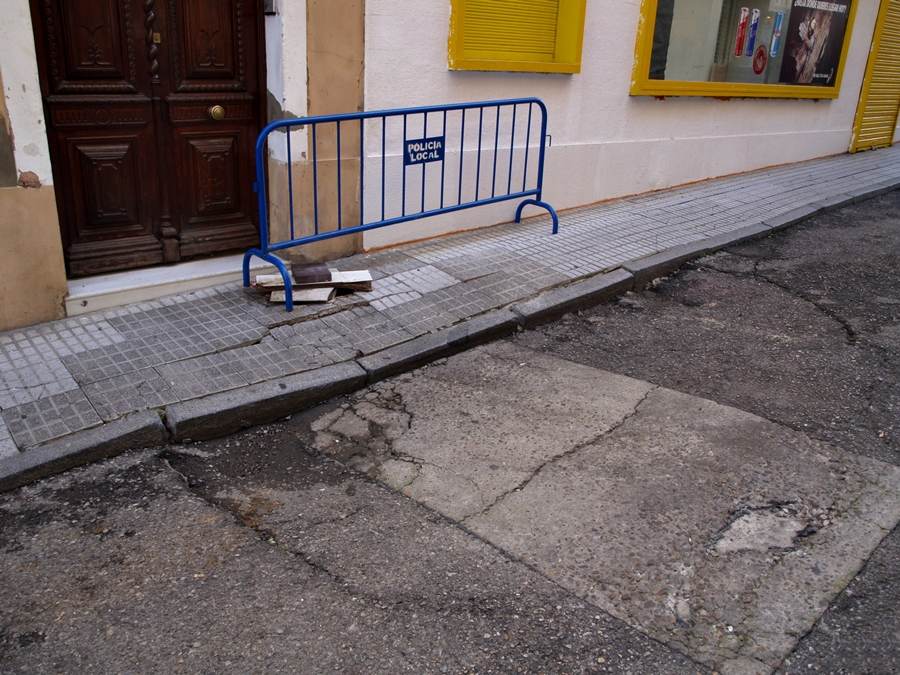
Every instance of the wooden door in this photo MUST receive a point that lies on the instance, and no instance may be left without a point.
(153, 109)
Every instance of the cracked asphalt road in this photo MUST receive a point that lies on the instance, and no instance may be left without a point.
(680, 482)
(803, 329)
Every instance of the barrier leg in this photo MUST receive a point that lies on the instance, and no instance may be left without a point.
(543, 205)
(285, 274)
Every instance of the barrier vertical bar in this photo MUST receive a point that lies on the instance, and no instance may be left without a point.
(462, 154)
(480, 134)
(403, 196)
(362, 173)
(424, 135)
(444, 161)
(290, 165)
(340, 218)
(383, 155)
(315, 182)
(496, 152)
(527, 146)
(512, 145)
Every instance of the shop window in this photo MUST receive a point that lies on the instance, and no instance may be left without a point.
(771, 48)
(519, 35)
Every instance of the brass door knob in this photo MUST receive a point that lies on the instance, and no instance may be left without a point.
(215, 113)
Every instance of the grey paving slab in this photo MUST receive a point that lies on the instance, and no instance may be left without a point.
(51, 417)
(315, 343)
(367, 330)
(389, 291)
(104, 363)
(426, 279)
(386, 263)
(201, 376)
(462, 301)
(212, 322)
(45, 380)
(266, 360)
(123, 394)
(7, 444)
(420, 316)
(503, 287)
(60, 338)
(267, 314)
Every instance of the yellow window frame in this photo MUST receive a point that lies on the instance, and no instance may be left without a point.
(642, 85)
(566, 57)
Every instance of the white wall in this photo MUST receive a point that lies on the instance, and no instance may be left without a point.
(22, 89)
(286, 68)
(606, 144)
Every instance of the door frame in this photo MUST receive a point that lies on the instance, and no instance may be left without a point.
(61, 181)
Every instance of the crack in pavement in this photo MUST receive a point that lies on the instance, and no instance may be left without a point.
(568, 453)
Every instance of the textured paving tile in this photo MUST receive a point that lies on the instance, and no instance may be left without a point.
(387, 292)
(210, 322)
(466, 267)
(386, 263)
(367, 330)
(104, 363)
(515, 284)
(137, 390)
(426, 279)
(315, 343)
(59, 338)
(201, 376)
(7, 445)
(266, 360)
(462, 301)
(49, 418)
(420, 316)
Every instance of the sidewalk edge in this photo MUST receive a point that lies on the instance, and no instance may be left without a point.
(140, 430)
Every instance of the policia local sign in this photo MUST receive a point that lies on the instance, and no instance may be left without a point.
(424, 150)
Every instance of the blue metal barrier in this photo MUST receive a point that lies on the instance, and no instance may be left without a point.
(470, 154)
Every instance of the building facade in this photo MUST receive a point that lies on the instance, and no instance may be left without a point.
(128, 125)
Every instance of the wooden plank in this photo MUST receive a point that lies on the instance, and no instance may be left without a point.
(306, 295)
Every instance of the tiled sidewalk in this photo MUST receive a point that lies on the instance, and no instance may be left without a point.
(74, 374)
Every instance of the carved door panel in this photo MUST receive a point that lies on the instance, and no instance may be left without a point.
(212, 108)
(143, 174)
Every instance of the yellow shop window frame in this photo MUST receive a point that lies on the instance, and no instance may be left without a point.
(643, 85)
(539, 36)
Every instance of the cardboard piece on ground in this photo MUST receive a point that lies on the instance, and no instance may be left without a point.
(306, 295)
(358, 280)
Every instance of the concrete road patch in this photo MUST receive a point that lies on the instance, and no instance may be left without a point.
(709, 528)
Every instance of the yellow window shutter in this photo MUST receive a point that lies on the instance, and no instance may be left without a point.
(524, 35)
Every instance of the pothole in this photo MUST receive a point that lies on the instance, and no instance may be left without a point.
(762, 530)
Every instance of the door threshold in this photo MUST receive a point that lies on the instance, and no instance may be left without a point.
(104, 291)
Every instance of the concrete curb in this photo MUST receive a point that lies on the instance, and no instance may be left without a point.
(793, 216)
(660, 264)
(140, 430)
(553, 304)
(755, 231)
(230, 411)
(409, 355)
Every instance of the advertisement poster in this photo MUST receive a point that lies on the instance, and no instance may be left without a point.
(813, 41)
